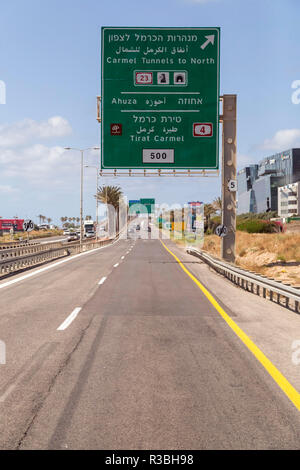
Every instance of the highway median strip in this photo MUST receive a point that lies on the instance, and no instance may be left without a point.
(277, 376)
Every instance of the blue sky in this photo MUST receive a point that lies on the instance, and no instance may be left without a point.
(50, 63)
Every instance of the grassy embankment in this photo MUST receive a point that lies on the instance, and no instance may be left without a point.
(272, 254)
(32, 235)
(276, 255)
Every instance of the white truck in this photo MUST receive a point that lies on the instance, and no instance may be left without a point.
(88, 229)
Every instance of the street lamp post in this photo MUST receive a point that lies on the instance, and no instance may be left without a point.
(97, 202)
(81, 188)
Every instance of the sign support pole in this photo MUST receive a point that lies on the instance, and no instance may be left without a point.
(228, 174)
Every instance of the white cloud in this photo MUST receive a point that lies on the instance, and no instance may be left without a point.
(7, 189)
(28, 130)
(282, 140)
(36, 164)
(43, 167)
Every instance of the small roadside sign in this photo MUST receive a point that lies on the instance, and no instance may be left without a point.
(221, 231)
(232, 186)
(28, 225)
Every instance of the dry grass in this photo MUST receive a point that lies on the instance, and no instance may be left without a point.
(34, 234)
(275, 255)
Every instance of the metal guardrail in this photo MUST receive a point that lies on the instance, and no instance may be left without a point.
(32, 259)
(275, 291)
(23, 250)
(8, 245)
(15, 259)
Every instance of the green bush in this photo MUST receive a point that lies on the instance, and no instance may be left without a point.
(256, 226)
(213, 223)
(251, 216)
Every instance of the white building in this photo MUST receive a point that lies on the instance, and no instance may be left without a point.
(289, 200)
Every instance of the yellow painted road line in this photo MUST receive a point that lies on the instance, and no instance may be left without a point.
(281, 381)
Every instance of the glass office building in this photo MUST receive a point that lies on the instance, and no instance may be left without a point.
(258, 184)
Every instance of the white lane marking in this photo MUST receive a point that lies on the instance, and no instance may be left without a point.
(116, 265)
(127, 252)
(102, 281)
(69, 320)
(38, 271)
(7, 392)
(123, 257)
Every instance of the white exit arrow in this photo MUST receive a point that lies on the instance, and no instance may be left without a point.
(210, 39)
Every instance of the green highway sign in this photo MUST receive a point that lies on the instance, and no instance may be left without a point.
(133, 202)
(149, 204)
(160, 98)
(142, 206)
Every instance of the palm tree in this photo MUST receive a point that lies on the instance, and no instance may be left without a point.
(64, 220)
(209, 210)
(40, 217)
(111, 195)
(49, 220)
(217, 204)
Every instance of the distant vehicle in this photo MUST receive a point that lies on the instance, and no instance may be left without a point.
(138, 227)
(89, 234)
(88, 229)
(44, 227)
(101, 232)
(66, 232)
(73, 236)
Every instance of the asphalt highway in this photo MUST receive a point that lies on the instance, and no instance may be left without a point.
(120, 349)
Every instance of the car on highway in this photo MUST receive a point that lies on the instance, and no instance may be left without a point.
(73, 236)
(66, 232)
(89, 234)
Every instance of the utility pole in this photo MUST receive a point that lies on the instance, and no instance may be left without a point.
(97, 201)
(229, 177)
(81, 188)
(81, 202)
